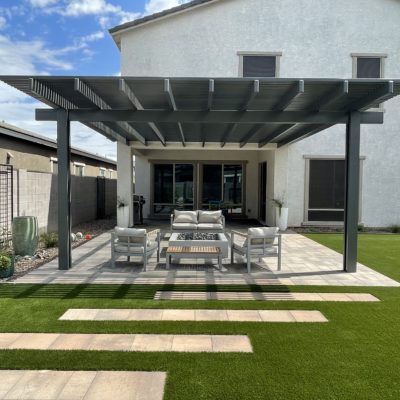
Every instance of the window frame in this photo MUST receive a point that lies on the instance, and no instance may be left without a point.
(53, 161)
(275, 54)
(102, 172)
(309, 158)
(78, 164)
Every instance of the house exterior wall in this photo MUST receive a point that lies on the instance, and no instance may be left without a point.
(34, 157)
(316, 39)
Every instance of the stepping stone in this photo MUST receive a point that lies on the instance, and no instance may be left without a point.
(126, 342)
(81, 385)
(268, 296)
(187, 315)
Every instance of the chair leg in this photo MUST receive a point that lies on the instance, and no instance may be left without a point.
(144, 262)
(128, 258)
(248, 264)
(112, 260)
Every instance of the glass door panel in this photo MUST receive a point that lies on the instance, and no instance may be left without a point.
(233, 178)
(212, 186)
(184, 186)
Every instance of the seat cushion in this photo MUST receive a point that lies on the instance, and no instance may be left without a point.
(210, 217)
(184, 226)
(209, 227)
(135, 248)
(187, 217)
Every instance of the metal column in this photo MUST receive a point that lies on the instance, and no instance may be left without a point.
(352, 190)
(64, 189)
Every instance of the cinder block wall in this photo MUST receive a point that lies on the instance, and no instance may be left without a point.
(35, 193)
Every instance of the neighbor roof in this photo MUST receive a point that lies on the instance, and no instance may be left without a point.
(28, 136)
(214, 110)
(161, 14)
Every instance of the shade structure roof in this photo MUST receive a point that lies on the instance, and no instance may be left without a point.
(217, 110)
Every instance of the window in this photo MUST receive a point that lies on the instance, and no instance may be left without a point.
(110, 173)
(259, 65)
(54, 165)
(102, 172)
(173, 187)
(79, 169)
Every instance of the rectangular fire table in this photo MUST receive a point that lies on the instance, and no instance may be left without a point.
(201, 239)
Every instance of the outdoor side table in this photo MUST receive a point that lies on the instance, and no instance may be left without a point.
(207, 252)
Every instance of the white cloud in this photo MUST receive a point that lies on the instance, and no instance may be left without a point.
(3, 22)
(42, 3)
(153, 6)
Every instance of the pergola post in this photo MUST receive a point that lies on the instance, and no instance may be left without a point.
(352, 192)
(64, 189)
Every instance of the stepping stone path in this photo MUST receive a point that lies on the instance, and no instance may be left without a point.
(268, 296)
(192, 315)
(126, 342)
(81, 385)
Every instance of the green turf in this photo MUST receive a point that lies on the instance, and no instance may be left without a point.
(356, 355)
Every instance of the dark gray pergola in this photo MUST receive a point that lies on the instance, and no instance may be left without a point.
(220, 110)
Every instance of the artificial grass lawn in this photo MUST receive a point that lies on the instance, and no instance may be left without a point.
(356, 355)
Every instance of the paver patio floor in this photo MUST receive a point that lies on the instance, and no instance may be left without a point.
(79, 314)
(304, 262)
(81, 385)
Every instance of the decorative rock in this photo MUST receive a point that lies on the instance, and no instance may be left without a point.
(79, 235)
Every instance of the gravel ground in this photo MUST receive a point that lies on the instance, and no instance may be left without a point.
(25, 264)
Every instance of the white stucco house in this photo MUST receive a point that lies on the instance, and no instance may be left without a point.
(266, 38)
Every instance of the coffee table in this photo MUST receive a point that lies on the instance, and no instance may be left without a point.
(201, 239)
(208, 252)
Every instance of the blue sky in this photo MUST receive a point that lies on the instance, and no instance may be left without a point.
(62, 37)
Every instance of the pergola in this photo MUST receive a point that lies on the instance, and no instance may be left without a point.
(238, 111)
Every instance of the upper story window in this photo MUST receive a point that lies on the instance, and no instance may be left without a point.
(102, 172)
(54, 165)
(259, 65)
(368, 65)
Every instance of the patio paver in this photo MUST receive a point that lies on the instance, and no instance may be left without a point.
(81, 385)
(124, 342)
(118, 341)
(304, 262)
(267, 296)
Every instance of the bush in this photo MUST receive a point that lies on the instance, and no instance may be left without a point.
(4, 261)
(361, 228)
(395, 229)
(49, 239)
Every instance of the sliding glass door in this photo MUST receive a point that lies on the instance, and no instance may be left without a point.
(173, 186)
(221, 187)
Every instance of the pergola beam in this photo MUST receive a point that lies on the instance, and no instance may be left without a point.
(302, 134)
(82, 88)
(137, 105)
(49, 95)
(254, 92)
(227, 117)
(211, 89)
(171, 100)
(341, 91)
(383, 94)
(288, 98)
(232, 128)
(278, 132)
(252, 132)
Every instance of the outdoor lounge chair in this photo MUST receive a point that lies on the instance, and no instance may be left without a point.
(260, 242)
(134, 242)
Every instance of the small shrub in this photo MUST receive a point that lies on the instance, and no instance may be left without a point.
(4, 261)
(361, 228)
(49, 239)
(395, 229)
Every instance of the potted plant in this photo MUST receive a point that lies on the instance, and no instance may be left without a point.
(122, 213)
(281, 212)
(6, 265)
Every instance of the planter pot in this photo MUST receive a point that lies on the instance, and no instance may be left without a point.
(9, 271)
(282, 218)
(25, 236)
(123, 217)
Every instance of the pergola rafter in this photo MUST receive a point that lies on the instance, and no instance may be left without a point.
(171, 100)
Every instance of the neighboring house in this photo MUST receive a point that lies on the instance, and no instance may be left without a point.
(266, 38)
(33, 152)
(28, 180)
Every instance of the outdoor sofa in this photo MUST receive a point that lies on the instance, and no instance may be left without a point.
(199, 220)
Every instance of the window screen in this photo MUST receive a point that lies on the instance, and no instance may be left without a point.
(368, 67)
(259, 66)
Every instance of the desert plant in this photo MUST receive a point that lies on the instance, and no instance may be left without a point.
(395, 228)
(49, 239)
(279, 202)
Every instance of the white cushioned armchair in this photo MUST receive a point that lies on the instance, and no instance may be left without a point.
(203, 221)
(257, 242)
(134, 242)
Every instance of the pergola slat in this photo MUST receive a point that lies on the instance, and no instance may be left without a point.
(171, 100)
(287, 99)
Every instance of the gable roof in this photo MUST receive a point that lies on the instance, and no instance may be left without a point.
(159, 15)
